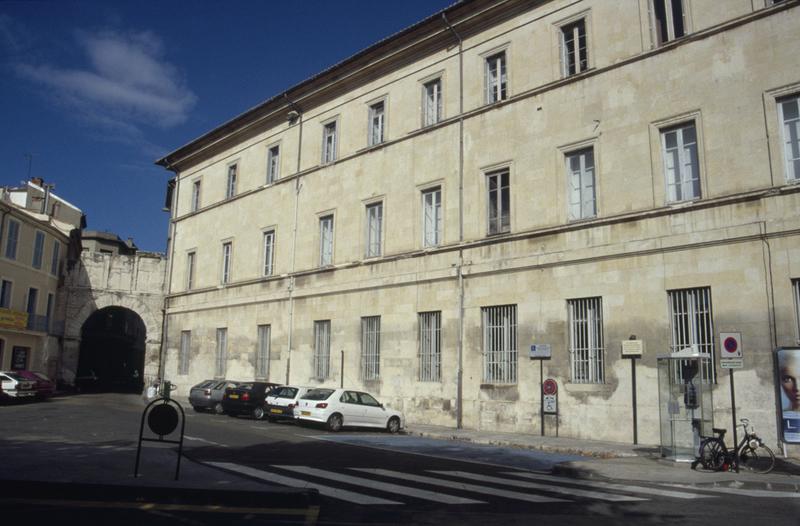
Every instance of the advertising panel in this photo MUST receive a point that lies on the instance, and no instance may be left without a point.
(788, 378)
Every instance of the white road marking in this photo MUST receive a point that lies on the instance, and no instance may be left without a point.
(328, 491)
(743, 491)
(382, 486)
(607, 485)
(573, 492)
(485, 490)
(198, 439)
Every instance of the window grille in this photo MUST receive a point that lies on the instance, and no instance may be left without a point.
(269, 251)
(326, 241)
(496, 78)
(580, 171)
(273, 164)
(574, 53)
(586, 349)
(691, 325)
(790, 120)
(322, 349)
(374, 229)
(262, 351)
(183, 359)
(432, 102)
(222, 352)
(681, 163)
(430, 346)
(370, 347)
(500, 344)
(432, 217)
(499, 202)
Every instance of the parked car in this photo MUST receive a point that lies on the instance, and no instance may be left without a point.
(17, 387)
(207, 395)
(43, 385)
(281, 402)
(247, 398)
(337, 408)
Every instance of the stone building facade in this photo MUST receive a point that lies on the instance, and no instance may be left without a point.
(503, 174)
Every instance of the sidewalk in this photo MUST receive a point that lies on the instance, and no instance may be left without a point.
(615, 460)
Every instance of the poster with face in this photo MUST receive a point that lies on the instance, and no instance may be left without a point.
(788, 380)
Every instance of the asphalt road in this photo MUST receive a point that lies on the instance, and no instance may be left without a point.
(363, 477)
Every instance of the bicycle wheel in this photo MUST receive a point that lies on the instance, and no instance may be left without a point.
(712, 454)
(758, 459)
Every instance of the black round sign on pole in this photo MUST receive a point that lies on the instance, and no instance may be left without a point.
(163, 419)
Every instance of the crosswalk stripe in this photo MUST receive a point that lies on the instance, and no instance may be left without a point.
(744, 492)
(381, 486)
(328, 491)
(607, 485)
(574, 492)
(485, 490)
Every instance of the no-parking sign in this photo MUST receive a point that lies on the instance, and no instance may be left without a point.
(730, 352)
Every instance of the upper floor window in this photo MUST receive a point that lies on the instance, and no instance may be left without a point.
(586, 340)
(230, 189)
(190, 263)
(269, 251)
(12, 238)
(789, 110)
(5, 294)
(377, 121)
(273, 163)
(681, 162)
(374, 229)
(55, 257)
(432, 217)
(669, 20)
(33, 300)
(496, 78)
(325, 241)
(574, 49)
(38, 249)
(581, 184)
(196, 196)
(329, 142)
(432, 102)
(499, 202)
(227, 254)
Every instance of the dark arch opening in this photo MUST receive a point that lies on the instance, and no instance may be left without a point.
(112, 352)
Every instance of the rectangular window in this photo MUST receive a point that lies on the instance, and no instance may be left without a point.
(432, 217)
(33, 298)
(227, 249)
(586, 340)
(668, 20)
(196, 196)
(329, 142)
(581, 185)
(376, 123)
(326, 241)
(262, 351)
(222, 353)
(499, 344)
(370, 347)
(496, 78)
(790, 120)
(5, 294)
(374, 229)
(269, 251)
(692, 325)
(432, 102)
(499, 202)
(183, 357)
(12, 239)
(54, 260)
(574, 51)
(38, 249)
(190, 261)
(795, 292)
(681, 163)
(322, 349)
(430, 346)
(230, 189)
(273, 164)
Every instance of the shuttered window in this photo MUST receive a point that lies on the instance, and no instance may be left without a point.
(499, 344)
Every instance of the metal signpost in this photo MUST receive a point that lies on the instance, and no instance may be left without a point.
(550, 401)
(730, 358)
(541, 352)
(162, 419)
(633, 349)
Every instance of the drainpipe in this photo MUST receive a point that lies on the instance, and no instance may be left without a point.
(460, 267)
(297, 186)
(172, 231)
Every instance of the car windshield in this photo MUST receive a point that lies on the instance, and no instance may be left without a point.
(318, 394)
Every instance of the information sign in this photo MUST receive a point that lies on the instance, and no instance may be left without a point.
(551, 404)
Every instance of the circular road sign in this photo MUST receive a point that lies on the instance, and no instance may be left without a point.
(549, 387)
(731, 345)
(163, 419)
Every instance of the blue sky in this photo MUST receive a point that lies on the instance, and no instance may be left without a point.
(96, 91)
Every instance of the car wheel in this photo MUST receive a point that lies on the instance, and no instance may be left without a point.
(258, 413)
(394, 425)
(335, 422)
(218, 408)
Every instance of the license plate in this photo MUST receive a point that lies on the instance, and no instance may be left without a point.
(305, 413)
(275, 411)
(233, 396)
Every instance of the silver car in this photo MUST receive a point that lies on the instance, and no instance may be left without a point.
(207, 395)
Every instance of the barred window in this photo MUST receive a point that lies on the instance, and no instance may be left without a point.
(691, 324)
(322, 349)
(262, 351)
(183, 357)
(430, 346)
(586, 350)
(500, 344)
(222, 352)
(370, 347)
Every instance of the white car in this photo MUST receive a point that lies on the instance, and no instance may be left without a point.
(17, 386)
(281, 401)
(342, 407)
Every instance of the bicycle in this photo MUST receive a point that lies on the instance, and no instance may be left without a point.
(751, 453)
